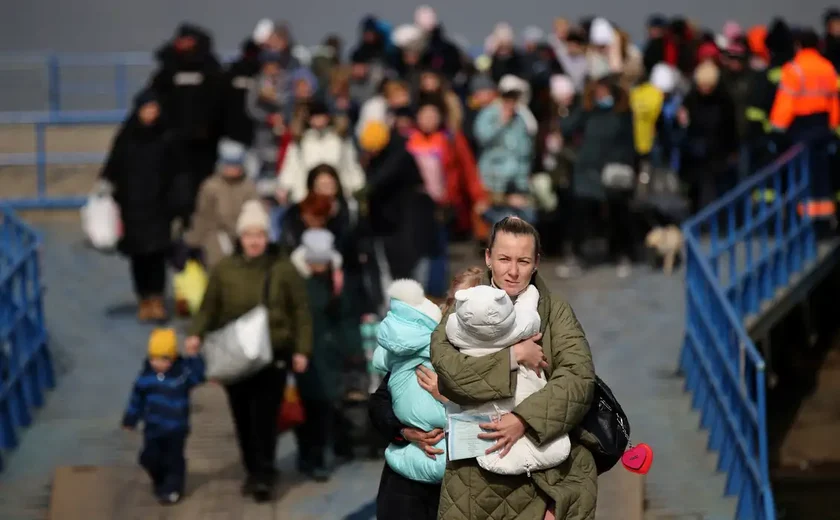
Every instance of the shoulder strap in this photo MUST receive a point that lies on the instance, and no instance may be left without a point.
(267, 284)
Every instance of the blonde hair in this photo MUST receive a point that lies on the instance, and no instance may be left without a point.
(464, 280)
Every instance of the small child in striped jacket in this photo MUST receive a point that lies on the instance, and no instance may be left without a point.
(161, 399)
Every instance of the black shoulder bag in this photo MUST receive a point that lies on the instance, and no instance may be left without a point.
(608, 423)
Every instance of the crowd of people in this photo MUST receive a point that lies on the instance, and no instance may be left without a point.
(308, 183)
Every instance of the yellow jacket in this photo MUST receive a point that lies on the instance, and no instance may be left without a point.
(646, 104)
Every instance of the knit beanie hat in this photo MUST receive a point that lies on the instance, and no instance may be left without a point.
(263, 31)
(601, 32)
(318, 246)
(231, 152)
(481, 82)
(374, 136)
(411, 293)
(163, 343)
(252, 215)
(664, 77)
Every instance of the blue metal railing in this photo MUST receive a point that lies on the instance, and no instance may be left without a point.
(42, 157)
(25, 365)
(739, 252)
(62, 81)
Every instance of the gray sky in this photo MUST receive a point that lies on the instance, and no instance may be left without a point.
(96, 25)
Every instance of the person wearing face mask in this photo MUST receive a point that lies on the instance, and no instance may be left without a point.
(319, 144)
(603, 176)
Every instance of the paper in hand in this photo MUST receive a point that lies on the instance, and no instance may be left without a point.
(462, 439)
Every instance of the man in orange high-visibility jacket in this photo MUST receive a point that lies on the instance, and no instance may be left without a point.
(806, 101)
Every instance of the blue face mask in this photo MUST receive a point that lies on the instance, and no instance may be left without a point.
(606, 102)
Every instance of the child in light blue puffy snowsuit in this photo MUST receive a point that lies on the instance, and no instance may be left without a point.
(404, 337)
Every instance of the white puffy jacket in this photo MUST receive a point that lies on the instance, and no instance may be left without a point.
(485, 321)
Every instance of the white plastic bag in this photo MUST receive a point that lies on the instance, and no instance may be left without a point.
(238, 349)
(101, 221)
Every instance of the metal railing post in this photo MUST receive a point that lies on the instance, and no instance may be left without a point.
(121, 85)
(41, 159)
(54, 82)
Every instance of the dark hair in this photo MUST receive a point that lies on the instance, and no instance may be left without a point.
(316, 172)
(808, 39)
(514, 226)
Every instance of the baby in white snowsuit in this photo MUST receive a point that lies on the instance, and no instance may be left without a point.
(485, 321)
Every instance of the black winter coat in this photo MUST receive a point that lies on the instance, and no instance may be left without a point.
(141, 166)
(189, 85)
(236, 81)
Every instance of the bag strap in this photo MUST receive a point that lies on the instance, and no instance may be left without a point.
(267, 285)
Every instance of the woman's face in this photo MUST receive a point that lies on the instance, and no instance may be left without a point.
(602, 91)
(254, 241)
(324, 184)
(399, 98)
(149, 113)
(429, 82)
(512, 261)
(319, 121)
(428, 119)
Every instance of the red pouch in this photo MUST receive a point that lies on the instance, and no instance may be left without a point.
(638, 459)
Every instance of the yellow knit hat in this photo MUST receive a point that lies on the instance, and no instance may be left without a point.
(163, 343)
(374, 136)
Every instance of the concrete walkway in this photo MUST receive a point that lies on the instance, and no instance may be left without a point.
(634, 326)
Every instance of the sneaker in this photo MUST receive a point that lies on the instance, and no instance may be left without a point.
(570, 268)
(624, 268)
(169, 499)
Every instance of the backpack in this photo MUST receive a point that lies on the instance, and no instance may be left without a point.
(607, 423)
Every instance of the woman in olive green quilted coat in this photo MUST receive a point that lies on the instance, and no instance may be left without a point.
(570, 489)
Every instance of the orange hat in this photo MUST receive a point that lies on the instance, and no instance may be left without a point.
(374, 136)
(755, 39)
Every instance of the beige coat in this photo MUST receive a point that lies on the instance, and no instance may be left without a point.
(213, 225)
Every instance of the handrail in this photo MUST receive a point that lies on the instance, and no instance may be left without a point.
(724, 370)
(25, 362)
(42, 158)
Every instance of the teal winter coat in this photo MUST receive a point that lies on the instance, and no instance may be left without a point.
(404, 338)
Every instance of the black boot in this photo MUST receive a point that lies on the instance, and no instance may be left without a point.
(263, 491)
(248, 486)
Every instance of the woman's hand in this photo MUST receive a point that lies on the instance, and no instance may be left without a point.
(425, 440)
(506, 431)
(192, 344)
(428, 380)
(299, 363)
(528, 353)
